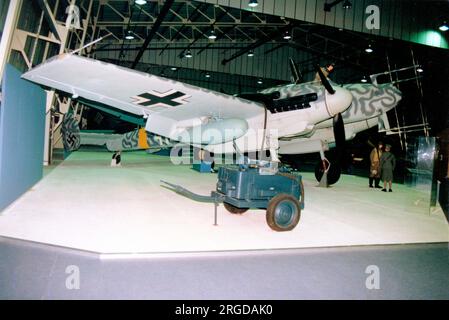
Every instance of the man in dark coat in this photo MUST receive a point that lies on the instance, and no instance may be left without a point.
(387, 165)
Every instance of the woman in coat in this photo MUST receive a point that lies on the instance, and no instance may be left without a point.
(387, 165)
(374, 171)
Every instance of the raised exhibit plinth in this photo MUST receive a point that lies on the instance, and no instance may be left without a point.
(85, 204)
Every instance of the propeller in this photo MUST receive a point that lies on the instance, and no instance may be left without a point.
(339, 135)
(324, 80)
(334, 167)
(338, 124)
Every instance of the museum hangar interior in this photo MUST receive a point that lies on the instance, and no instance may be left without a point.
(224, 149)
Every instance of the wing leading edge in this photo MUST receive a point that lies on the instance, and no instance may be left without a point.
(170, 106)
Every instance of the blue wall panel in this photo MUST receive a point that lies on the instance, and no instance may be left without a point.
(22, 125)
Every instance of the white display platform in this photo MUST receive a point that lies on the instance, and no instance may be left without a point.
(85, 204)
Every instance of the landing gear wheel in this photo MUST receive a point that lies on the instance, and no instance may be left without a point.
(333, 175)
(233, 209)
(283, 212)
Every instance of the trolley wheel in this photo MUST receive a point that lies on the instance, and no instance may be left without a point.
(233, 209)
(283, 212)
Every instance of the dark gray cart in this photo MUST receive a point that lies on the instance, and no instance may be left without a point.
(240, 189)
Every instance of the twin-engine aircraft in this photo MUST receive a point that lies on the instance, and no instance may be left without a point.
(369, 107)
(292, 119)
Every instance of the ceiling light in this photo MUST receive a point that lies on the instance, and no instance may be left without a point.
(140, 2)
(259, 81)
(129, 35)
(420, 70)
(444, 26)
(364, 80)
(329, 5)
(369, 49)
(287, 35)
(347, 5)
(188, 54)
(253, 3)
(207, 75)
(212, 35)
(173, 68)
(250, 53)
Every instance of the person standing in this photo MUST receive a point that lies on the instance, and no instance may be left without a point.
(387, 165)
(374, 157)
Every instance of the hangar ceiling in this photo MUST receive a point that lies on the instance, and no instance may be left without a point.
(317, 37)
(161, 34)
(408, 20)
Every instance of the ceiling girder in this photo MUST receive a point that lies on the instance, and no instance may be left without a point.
(258, 43)
(165, 9)
(49, 17)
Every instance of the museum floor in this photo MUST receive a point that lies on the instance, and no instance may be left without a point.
(85, 204)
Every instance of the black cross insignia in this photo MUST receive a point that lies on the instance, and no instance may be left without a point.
(149, 99)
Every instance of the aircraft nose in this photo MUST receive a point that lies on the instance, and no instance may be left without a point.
(339, 101)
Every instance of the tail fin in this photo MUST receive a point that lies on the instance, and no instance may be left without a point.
(296, 73)
(70, 132)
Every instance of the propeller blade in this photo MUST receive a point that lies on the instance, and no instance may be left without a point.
(339, 134)
(324, 80)
(340, 140)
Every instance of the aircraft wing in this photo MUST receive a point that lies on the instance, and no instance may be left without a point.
(302, 146)
(171, 107)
